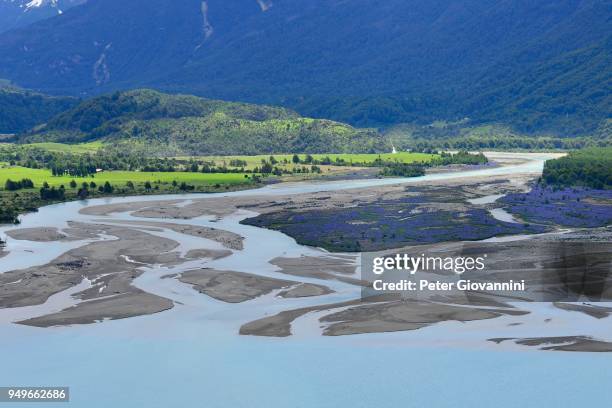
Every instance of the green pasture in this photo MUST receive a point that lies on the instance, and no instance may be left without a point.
(80, 148)
(39, 176)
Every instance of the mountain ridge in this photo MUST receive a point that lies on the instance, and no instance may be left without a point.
(363, 62)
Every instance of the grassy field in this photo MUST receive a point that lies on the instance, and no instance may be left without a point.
(252, 161)
(66, 148)
(39, 176)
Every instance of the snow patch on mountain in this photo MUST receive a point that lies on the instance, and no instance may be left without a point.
(40, 3)
(29, 5)
(36, 4)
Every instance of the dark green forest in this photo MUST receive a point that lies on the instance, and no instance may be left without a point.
(21, 110)
(588, 168)
(159, 124)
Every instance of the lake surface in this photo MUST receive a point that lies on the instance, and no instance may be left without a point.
(191, 356)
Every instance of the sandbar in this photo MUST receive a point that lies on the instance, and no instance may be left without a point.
(110, 308)
(237, 287)
(563, 343)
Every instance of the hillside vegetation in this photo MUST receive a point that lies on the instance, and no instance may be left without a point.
(21, 110)
(462, 135)
(159, 123)
(587, 168)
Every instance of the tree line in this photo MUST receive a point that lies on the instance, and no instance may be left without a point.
(587, 168)
(11, 185)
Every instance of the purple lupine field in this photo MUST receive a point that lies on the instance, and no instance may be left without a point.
(568, 207)
(388, 224)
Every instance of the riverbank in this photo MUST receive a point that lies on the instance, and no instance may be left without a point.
(195, 254)
(32, 183)
(16, 203)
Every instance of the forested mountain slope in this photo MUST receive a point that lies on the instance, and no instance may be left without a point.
(539, 66)
(182, 124)
(21, 109)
